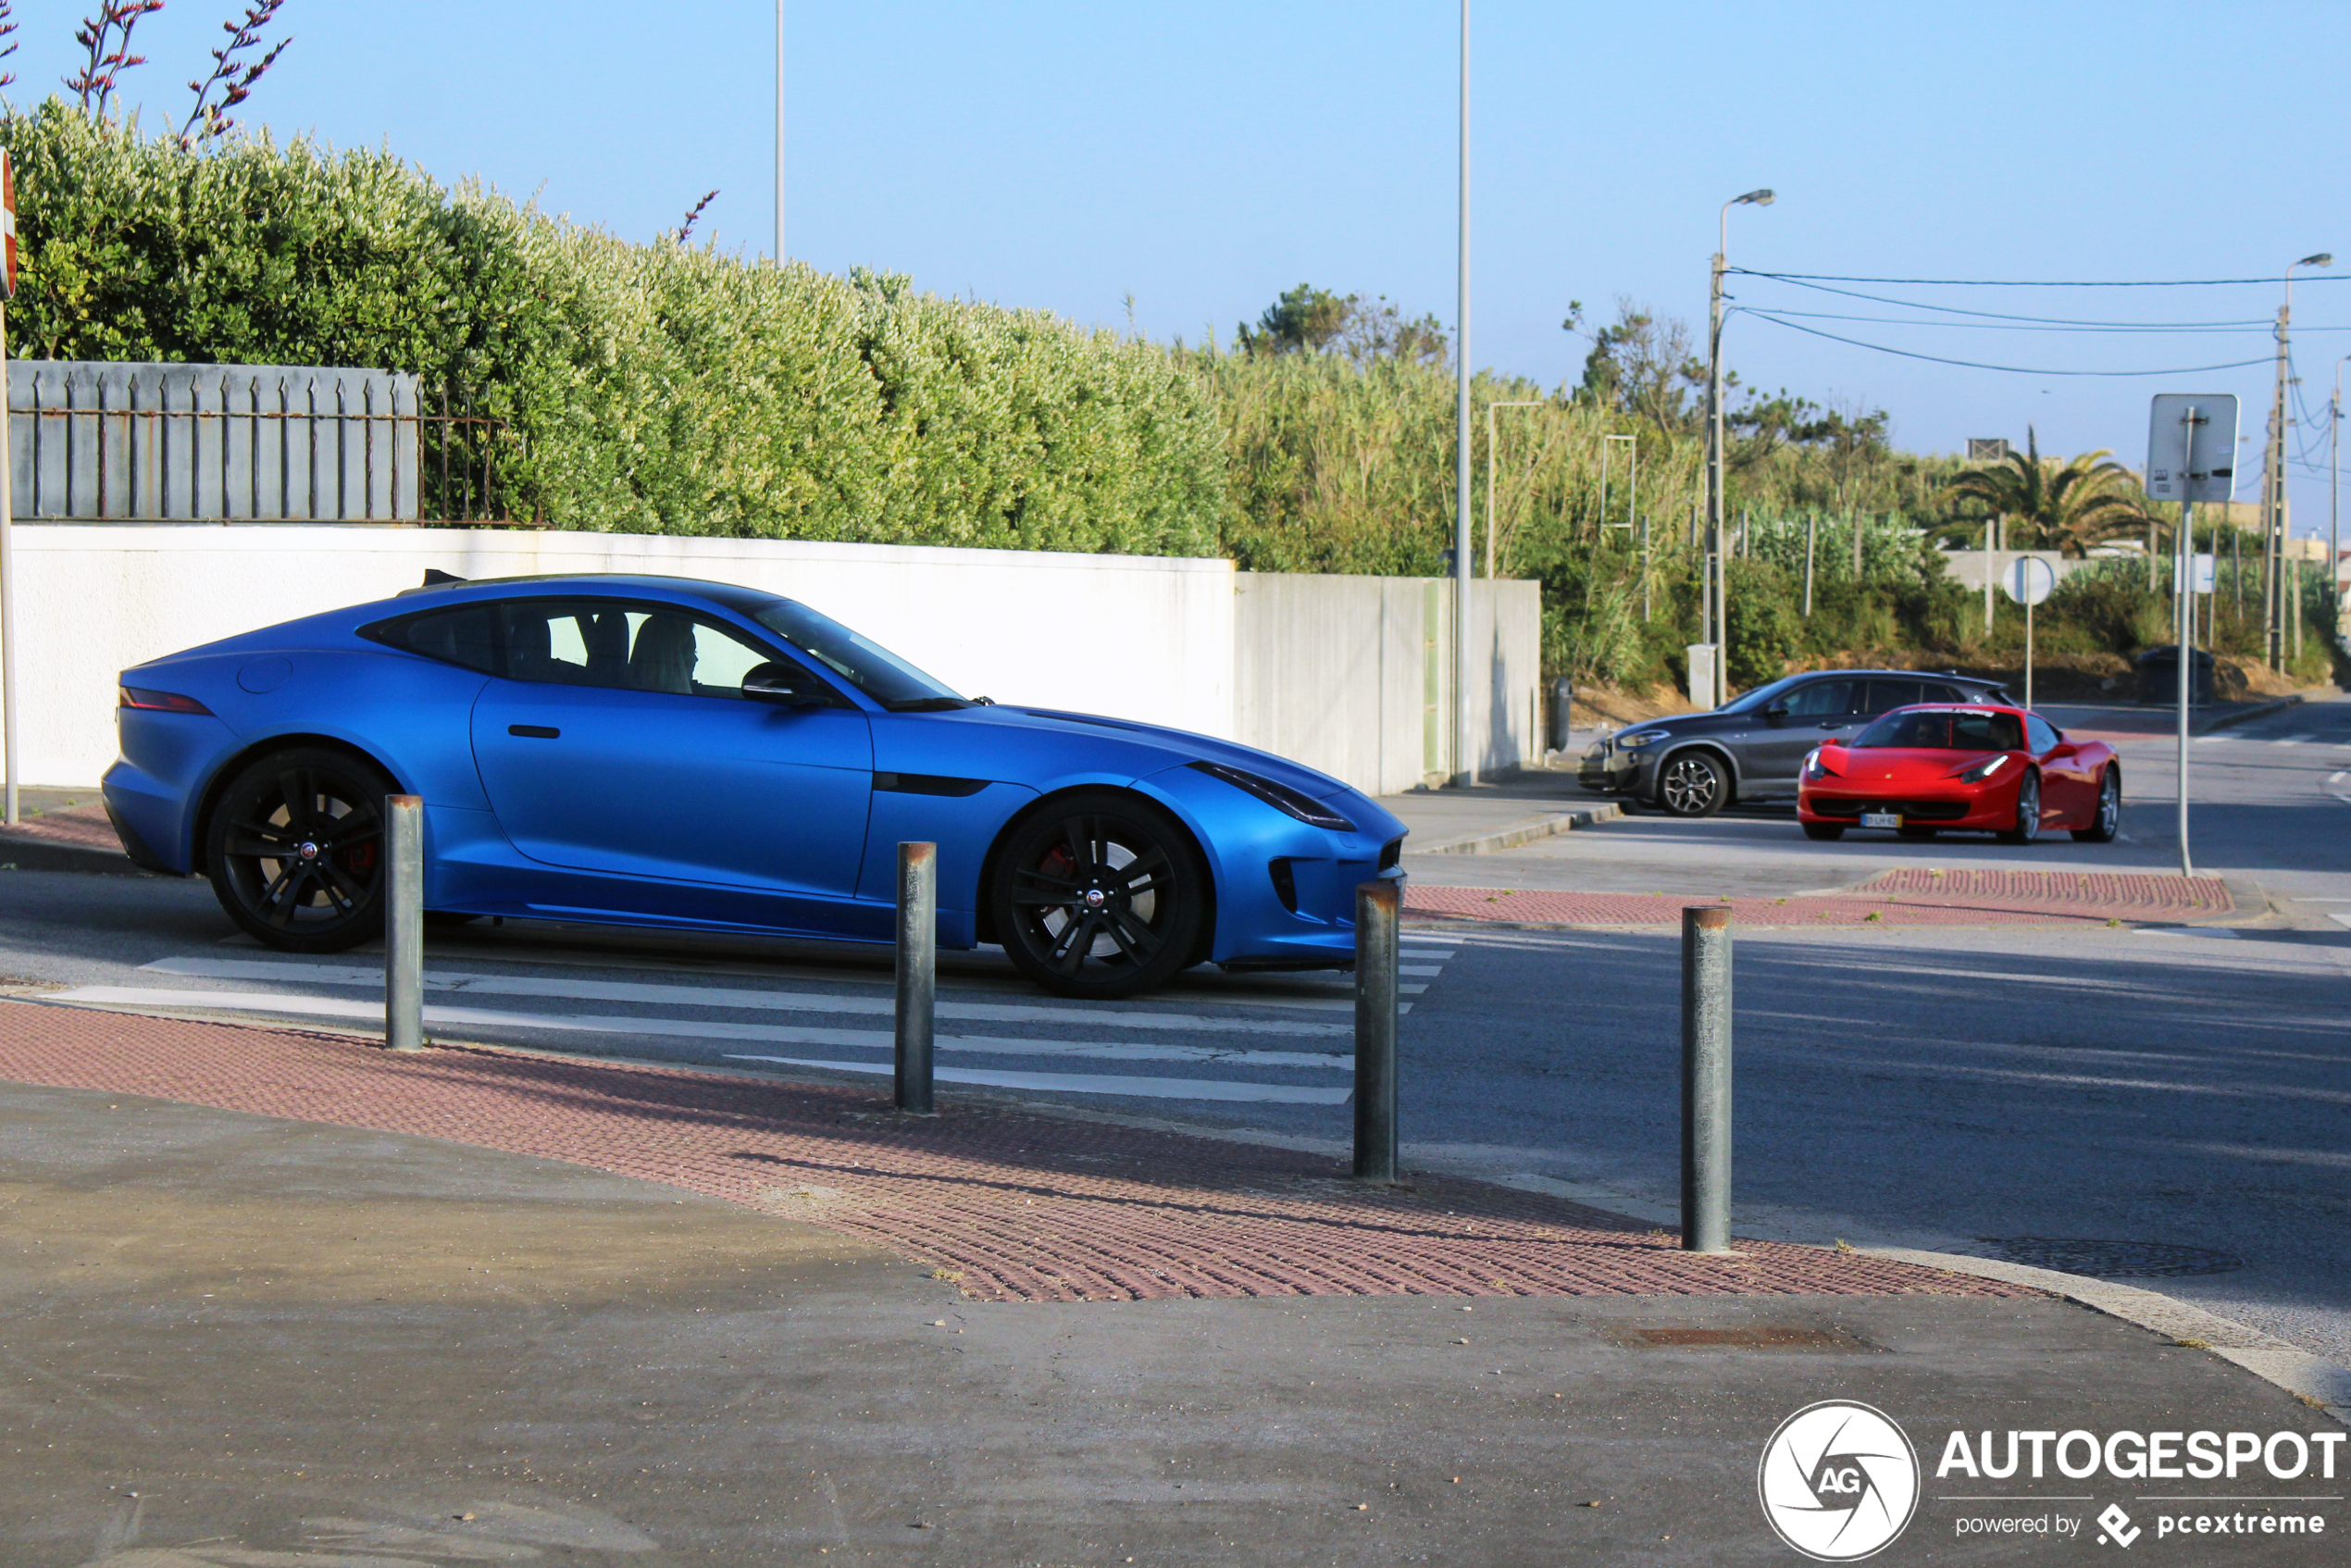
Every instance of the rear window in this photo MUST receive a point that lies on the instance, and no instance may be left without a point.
(466, 635)
(1946, 730)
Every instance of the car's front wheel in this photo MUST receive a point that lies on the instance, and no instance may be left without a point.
(1099, 895)
(2109, 820)
(295, 850)
(2028, 812)
(1692, 784)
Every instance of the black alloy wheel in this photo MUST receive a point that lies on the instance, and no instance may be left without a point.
(1824, 830)
(1692, 784)
(295, 850)
(2028, 812)
(2109, 821)
(1101, 895)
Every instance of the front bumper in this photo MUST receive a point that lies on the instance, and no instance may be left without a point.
(1608, 768)
(1958, 806)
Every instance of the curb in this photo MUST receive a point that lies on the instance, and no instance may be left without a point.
(2312, 1378)
(2259, 710)
(1525, 832)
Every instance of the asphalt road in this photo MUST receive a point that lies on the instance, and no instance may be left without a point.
(1984, 1089)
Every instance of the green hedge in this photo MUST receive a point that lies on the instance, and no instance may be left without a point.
(651, 388)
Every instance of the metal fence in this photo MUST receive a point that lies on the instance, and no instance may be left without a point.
(218, 444)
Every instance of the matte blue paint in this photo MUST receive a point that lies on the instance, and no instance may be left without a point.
(716, 813)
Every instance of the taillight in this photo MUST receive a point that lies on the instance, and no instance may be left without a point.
(160, 701)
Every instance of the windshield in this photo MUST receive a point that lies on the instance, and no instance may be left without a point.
(1945, 729)
(1748, 701)
(862, 662)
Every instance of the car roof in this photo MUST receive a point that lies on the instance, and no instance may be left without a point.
(733, 595)
(1964, 707)
(1909, 675)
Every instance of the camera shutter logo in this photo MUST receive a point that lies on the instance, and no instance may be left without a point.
(1838, 1481)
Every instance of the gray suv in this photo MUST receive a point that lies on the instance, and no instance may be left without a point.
(1693, 765)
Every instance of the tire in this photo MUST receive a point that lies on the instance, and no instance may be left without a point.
(2109, 820)
(1099, 895)
(1910, 832)
(2028, 812)
(1692, 784)
(304, 799)
(1824, 830)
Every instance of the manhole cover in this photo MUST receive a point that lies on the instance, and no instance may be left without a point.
(2111, 1260)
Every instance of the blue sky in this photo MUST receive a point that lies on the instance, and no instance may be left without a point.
(1204, 156)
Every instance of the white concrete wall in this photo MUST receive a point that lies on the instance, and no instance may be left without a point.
(1336, 672)
(1135, 637)
(1329, 670)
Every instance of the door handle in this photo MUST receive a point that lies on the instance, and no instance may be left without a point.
(534, 732)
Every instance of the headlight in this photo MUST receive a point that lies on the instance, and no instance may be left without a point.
(1813, 767)
(1976, 773)
(1281, 797)
(1644, 738)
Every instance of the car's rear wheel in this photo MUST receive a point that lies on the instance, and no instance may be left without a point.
(1692, 784)
(1099, 895)
(295, 850)
(1824, 830)
(2109, 820)
(2028, 812)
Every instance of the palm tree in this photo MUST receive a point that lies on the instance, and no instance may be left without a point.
(2070, 506)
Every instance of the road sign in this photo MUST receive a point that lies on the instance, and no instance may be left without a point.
(2192, 462)
(2028, 579)
(9, 224)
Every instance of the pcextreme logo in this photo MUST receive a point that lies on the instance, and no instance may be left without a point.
(1839, 1481)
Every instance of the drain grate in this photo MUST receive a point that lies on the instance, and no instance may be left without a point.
(2111, 1260)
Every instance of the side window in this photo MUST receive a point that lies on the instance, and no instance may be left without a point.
(466, 636)
(1822, 699)
(1936, 694)
(1885, 694)
(632, 648)
(2037, 731)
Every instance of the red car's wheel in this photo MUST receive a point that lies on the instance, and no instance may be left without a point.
(2028, 812)
(2109, 820)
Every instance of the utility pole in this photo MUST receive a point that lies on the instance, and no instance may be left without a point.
(1464, 756)
(2334, 505)
(780, 132)
(1716, 531)
(2273, 517)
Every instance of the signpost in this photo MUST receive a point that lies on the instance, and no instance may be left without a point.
(2030, 580)
(2192, 443)
(7, 508)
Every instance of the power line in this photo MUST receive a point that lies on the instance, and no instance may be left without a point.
(2043, 283)
(1994, 315)
(1978, 365)
(2012, 326)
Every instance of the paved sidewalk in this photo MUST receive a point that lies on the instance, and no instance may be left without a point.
(232, 1340)
(1012, 1205)
(1906, 896)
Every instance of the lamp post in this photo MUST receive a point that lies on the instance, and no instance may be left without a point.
(2273, 524)
(1489, 477)
(780, 132)
(1714, 523)
(2334, 502)
(1464, 745)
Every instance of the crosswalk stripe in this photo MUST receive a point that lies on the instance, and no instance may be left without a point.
(728, 996)
(685, 1028)
(1082, 1083)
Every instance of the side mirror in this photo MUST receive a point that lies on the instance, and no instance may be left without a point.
(1776, 712)
(785, 687)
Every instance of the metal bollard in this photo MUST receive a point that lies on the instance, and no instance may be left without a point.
(917, 973)
(403, 922)
(1378, 911)
(1706, 1080)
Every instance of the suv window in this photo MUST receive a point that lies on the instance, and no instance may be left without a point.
(1822, 699)
(635, 648)
(1884, 694)
(1938, 693)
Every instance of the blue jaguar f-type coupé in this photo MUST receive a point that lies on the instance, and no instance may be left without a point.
(663, 752)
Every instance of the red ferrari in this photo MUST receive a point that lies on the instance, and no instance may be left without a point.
(1969, 768)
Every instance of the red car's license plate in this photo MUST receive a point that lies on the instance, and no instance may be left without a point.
(1881, 819)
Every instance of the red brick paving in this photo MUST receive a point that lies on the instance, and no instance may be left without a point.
(1021, 1206)
(1908, 897)
(82, 827)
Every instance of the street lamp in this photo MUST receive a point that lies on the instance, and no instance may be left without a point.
(2335, 501)
(2273, 526)
(1714, 521)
